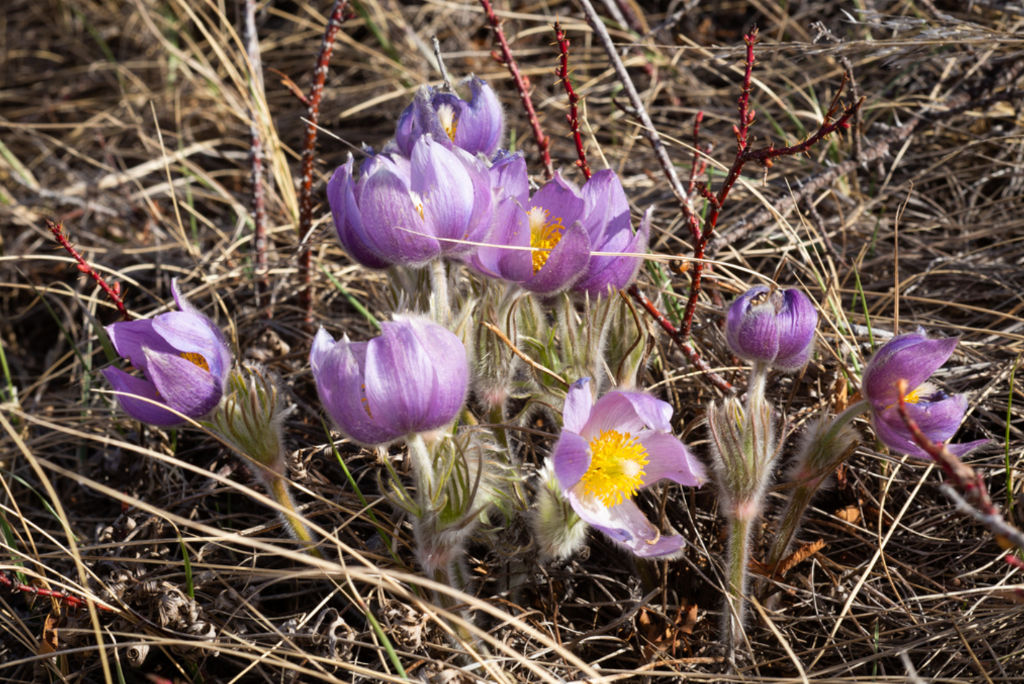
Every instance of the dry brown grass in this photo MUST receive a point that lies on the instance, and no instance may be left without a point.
(129, 122)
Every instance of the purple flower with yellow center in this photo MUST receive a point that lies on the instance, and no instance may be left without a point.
(773, 327)
(412, 378)
(913, 358)
(611, 449)
(475, 126)
(539, 242)
(184, 360)
(410, 211)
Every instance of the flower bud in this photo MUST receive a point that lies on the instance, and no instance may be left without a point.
(774, 327)
(250, 418)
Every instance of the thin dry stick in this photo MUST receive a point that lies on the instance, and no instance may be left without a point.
(308, 152)
(573, 117)
(113, 292)
(543, 143)
(259, 210)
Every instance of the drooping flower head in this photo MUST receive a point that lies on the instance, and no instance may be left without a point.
(611, 449)
(913, 358)
(475, 126)
(184, 360)
(770, 326)
(544, 243)
(412, 378)
(410, 211)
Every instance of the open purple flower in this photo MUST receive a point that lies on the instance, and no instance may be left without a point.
(476, 126)
(410, 211)
(913, 358)
(540, 242)
(608, 451)
(183, 357)
(412, 378)
(770, 326)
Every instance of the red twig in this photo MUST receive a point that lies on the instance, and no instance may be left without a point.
(74, 601)
(963, 479)
(573, 117)
(259, 210)
(543, 143)
(676, 336)
(113, 292)
(323, 61)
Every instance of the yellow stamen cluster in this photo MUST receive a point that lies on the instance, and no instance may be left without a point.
(544, 235)
(446, 115)
(197, 359)
(616, 469)
(417, 202)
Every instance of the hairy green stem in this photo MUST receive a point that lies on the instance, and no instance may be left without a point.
(737, 559)
(281, 493)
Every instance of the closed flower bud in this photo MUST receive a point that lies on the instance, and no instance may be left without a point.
(184, 360)
(412, 378)
(773, 327)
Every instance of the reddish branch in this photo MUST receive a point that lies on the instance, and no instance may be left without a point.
(113, 292)
(308, 153)
(573, 117)
(963, 479)
(73, 601)
(543, 143)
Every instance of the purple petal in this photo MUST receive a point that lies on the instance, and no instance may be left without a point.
(571, 458)
(130, 338)
(578, 404)
(394, 229)
(185, 387)
(561, 199)
(631, 412)
(959, 450)
(912, 357)
(347, 219)
(616, 271)
(195, 333)
(129, 388)
(624, 523)
(441, 178)
(796, 324)
(938, 421)
(481, 122)
(751, 326)
(338, 372)
(605, 204)
(669, 459)
(565, 263)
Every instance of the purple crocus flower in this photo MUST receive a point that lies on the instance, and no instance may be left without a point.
(913, 358)
(770, 326)
(609, 450)
(540, 242)
(475, 126)
(183, 357)
(412, 378)
(410, 211)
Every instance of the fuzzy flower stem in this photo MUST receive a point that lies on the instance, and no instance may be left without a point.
(824, 455)
(423, 470)
(738, 555)
(278, 487)
(440, 306)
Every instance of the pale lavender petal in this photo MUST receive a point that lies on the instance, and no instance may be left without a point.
(630, 412)
(570, 458)
(130, 338)
(184, 386)
(751, 327)
(129, 388)
(578, 404)
(440, 177)
(393, 227)
(624, 523)
(561, 199)
(451, 366)
(669, 459)
(616, 271)
(192, 332)
(348, 220)
(480, 123)
(605, 204)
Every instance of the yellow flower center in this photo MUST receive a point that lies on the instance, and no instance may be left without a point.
(544, 235)
(616, 469)
(196, 359)
(446, 115)
(914, 396)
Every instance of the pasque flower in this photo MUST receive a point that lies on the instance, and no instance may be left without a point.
(410, 211)
(774, 327)
(184, 360)
(544, 243)
(913, 357)
(412, 378)
(611, 449)
(475, 126)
